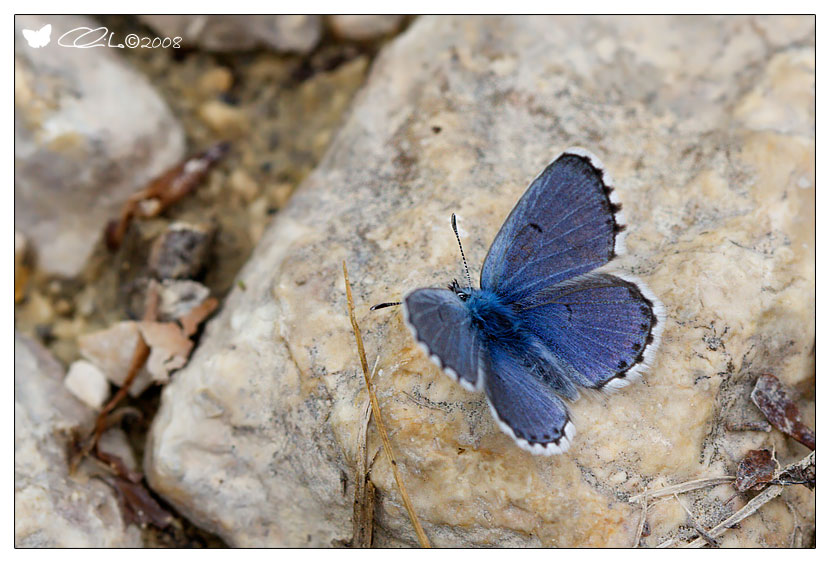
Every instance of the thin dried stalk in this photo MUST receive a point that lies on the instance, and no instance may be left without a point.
(641, 524)
(387, 446)
(683, 488)
(751, 508)
(364, 492)
(697, 526)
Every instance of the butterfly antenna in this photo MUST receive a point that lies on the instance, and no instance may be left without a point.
(463, 258)
(384, 305)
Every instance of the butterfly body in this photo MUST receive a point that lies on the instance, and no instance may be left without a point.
(545, 322)
(494, 320)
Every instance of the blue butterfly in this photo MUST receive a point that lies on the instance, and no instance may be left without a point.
(544, 323)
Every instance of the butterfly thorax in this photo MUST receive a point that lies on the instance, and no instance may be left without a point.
(495, 320)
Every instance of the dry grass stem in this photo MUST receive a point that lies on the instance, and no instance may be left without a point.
(641, 524)
(387, 446)
(751, 508)
(364, 492)
(683, 488)
(697, 526)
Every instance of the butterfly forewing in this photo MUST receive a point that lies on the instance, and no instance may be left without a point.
(566, 224)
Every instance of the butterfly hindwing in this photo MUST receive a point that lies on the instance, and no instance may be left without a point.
(441, 323)
(525, 407)
(602, 325)
(566, 224)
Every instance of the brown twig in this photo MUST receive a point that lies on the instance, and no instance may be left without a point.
(387, 446)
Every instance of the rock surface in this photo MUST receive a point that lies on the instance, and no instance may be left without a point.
(712, 149)
(89, 131)
(52, 508)
(287, 33)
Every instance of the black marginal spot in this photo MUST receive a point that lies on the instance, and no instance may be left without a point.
(639, 359)
(636, 346)
(615, 207)
(644, 327)
(618, 228)
(634, 293)
(546, 437)
(621, 365)
(646, 311)
(649, 338)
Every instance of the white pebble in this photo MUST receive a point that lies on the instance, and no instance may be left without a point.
(88, 383)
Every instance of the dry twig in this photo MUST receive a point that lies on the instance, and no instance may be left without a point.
(641, 524)
(683, 487)
(387, 446)
(364, 492)
(751, 508)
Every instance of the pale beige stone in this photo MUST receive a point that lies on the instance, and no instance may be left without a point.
(459, 114)
(112, 350)
(51, 507)
(89, 131)
(87, 383)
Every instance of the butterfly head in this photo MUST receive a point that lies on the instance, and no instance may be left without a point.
(462, 293)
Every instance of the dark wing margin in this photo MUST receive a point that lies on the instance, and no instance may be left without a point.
(567, 223)
(606, 326)
(442, 326)
(525, 408)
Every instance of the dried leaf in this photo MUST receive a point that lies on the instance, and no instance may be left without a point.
(169, 348)
(756, 469)
(164, 191)
(137, 505)
(770, 396)
(191, 321)
(802, 472)
(119, 467)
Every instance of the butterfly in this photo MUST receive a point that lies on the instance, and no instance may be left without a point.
(39, 38)
(544, 322)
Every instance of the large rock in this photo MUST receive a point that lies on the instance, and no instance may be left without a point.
(712, 149)
(89, 131)
(51, 507)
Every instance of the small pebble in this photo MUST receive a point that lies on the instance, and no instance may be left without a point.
(181, 251)
(281, 193)
(364, 27)
(87, 383)
(242, 183)
(224, 119)
(178, 297)
(216, 81)
(63, 307)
